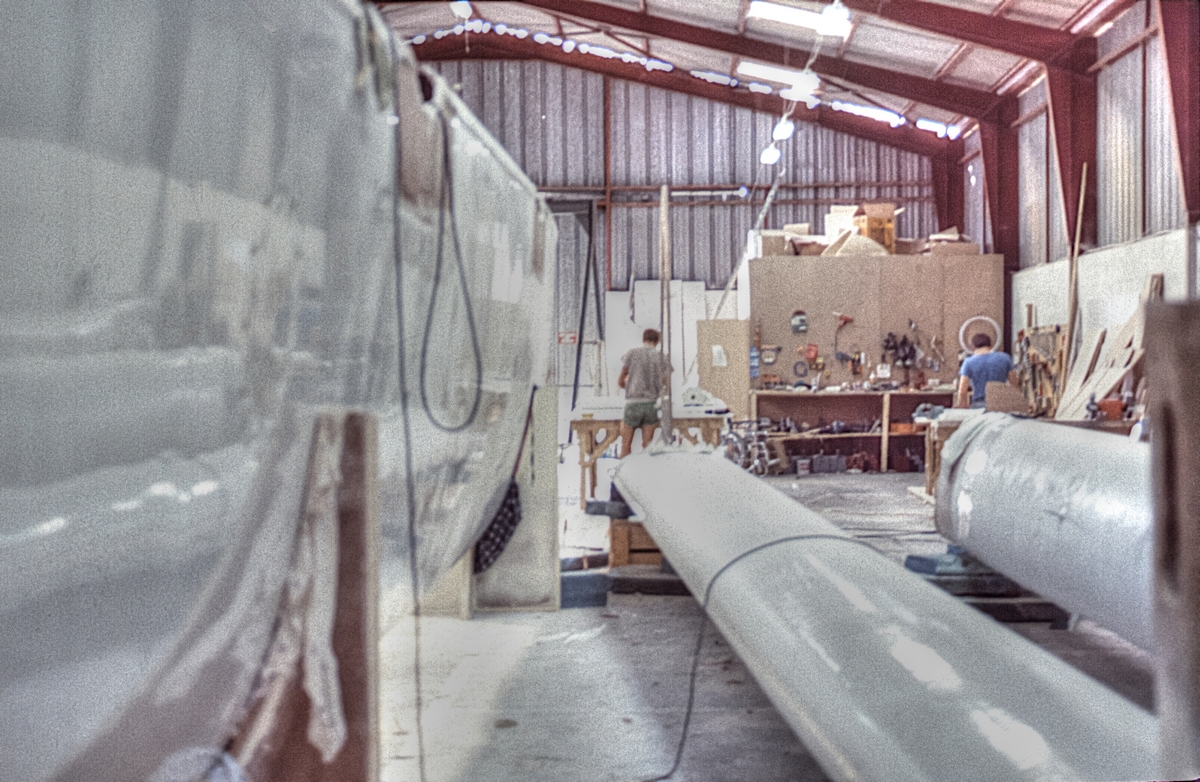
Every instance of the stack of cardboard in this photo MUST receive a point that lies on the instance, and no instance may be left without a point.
(877, 222)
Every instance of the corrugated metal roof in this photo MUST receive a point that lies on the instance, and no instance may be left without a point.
(874, 40)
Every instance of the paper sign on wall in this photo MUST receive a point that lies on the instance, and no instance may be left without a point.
(719, 359)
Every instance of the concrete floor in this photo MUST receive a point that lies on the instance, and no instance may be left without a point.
(599, 693)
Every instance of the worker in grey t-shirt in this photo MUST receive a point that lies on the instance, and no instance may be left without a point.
(644, 373)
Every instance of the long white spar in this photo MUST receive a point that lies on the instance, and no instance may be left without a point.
(882, 675)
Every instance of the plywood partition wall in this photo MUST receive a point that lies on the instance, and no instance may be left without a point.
(881, 294)
(732, 381)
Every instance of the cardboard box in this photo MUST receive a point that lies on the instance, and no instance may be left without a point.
(877, 221)
(799, 229)
(772, 242)
(910, 246)
(954, 248)
(808, 245)
(840, 218)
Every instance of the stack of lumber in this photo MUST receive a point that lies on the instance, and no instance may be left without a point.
(1104, 361)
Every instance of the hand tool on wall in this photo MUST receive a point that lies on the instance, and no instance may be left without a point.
(843, 321)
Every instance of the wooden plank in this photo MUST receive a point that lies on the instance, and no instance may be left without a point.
(886, 423)
(645, 558)
(618, 539)
(639, 538)
(731, 382)
(1085, 364)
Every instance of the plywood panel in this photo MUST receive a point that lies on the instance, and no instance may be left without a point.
(881, 293)
(911, 288)
(974, 285)
(731, 382)
(820, 286)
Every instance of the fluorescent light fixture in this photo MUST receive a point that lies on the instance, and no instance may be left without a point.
(761, 89)
(770, 155)
(420, 39)
(462, 9)
(871, 112)
(833, 21)
(783, 130)
(932, 127)
(568, 46)
(715, 78)
(953, 131)
(770, 73)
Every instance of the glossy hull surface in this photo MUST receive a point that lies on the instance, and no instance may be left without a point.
(205, 243)
(882, 675)
(1063, 511)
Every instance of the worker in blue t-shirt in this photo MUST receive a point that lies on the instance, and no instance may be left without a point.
(981, 368)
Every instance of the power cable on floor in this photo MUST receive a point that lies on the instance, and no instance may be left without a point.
(410, 485)
(687, 715)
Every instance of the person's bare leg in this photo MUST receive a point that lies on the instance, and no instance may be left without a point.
(626, 439)
(648, 434)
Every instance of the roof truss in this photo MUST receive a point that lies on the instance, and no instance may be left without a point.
(454, 47)
(950, 97)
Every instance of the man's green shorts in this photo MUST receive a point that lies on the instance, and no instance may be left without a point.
(640, 414)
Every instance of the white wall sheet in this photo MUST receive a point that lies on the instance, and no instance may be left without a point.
(1110, 281)
(197, 211)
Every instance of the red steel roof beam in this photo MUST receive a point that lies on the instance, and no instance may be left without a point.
(1181, 31)
(1073, 104)
(504, 47)
(951, 97)
(1006, 35)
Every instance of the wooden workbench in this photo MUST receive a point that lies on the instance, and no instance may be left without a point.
(891, 409)
(595, 435)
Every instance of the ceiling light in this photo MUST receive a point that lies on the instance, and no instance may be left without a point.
(768, 72)
(770, 155)
(872, 112)
(833, 21)
(802, 84)
(932, 127)
(462, 9)
(783, 130)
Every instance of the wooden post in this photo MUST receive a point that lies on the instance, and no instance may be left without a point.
(1073, 301)
(886, 422)
(664, 277)
(1173, 359)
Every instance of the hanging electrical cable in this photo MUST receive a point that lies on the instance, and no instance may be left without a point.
(446, 205)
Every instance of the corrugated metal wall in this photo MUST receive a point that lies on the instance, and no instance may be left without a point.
(1044, 232)
(551, 120)
(1166, 208)
(977, 223)
(1139, 191)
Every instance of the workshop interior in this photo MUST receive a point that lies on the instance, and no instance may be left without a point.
(632, 390)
